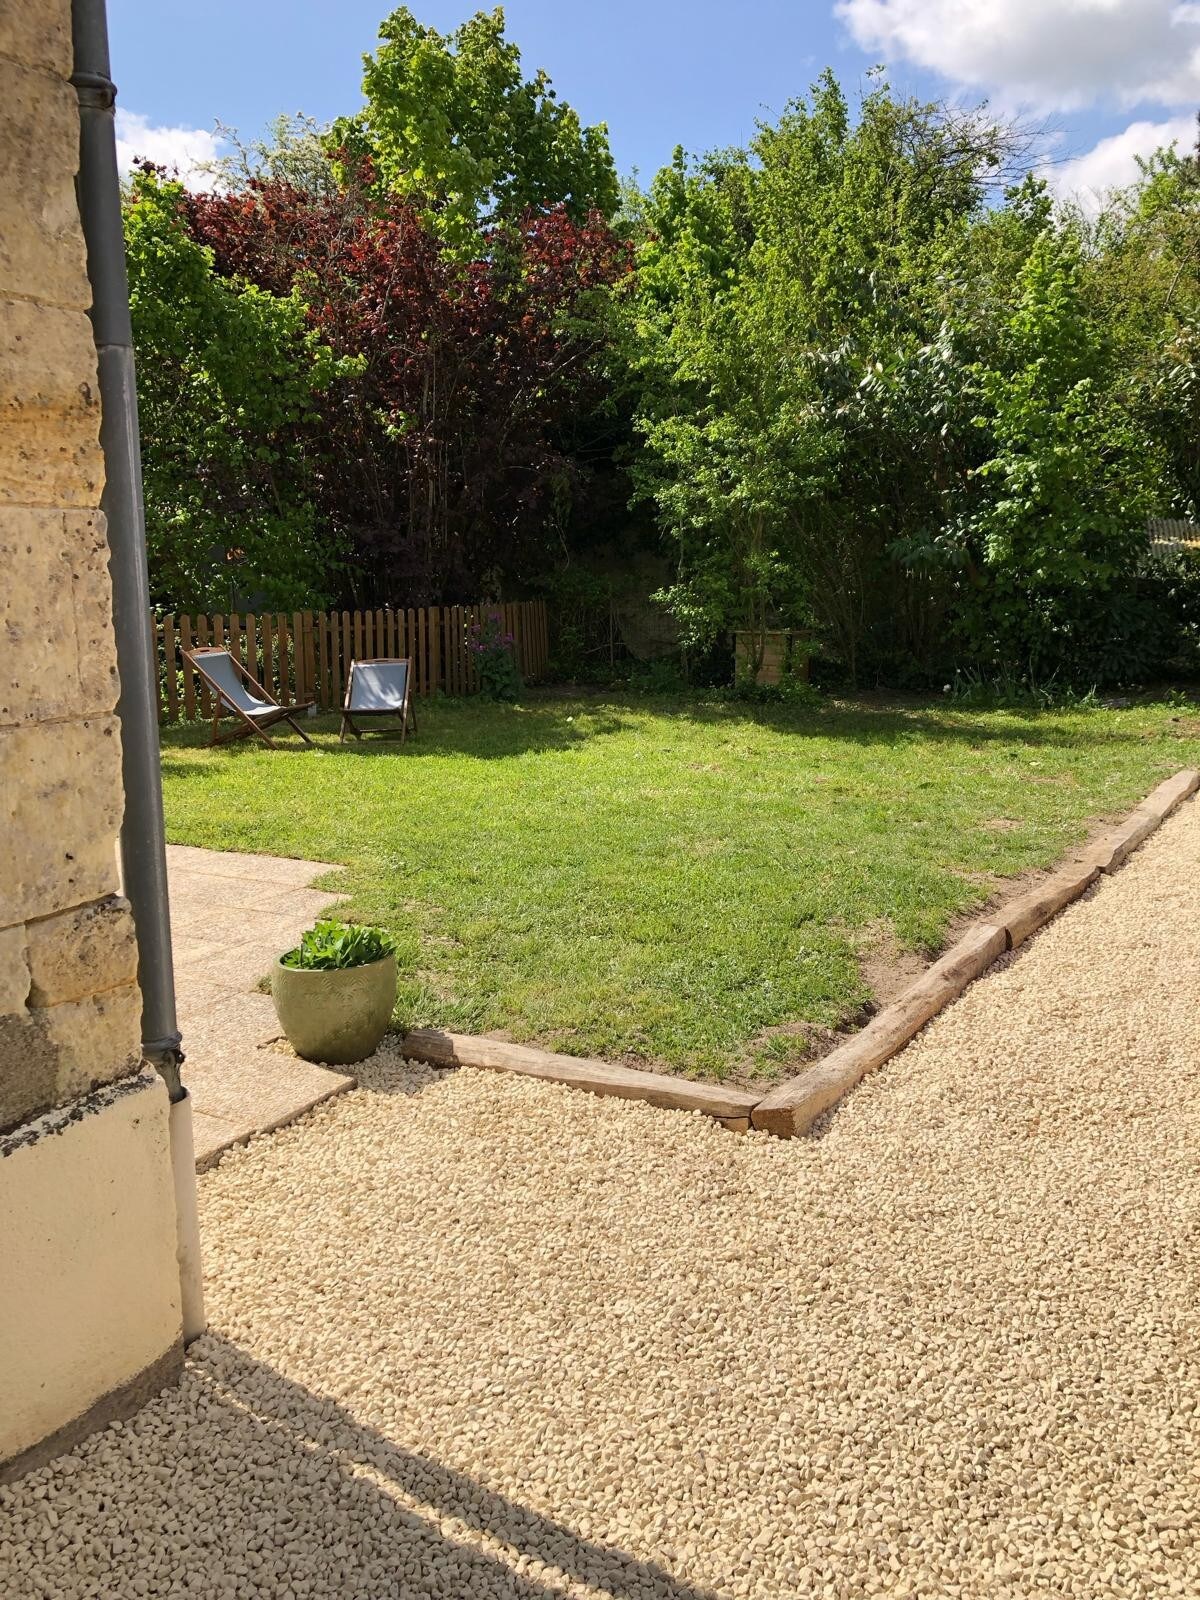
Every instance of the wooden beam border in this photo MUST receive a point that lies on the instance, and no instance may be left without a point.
(792, 1107)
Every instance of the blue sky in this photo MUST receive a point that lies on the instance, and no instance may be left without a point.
(1107, 78)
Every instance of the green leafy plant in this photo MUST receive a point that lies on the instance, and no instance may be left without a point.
(791, 690)
(492, 647)
(334, 946)
(1011, 690)
(656, 677)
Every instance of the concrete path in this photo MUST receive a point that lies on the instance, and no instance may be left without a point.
(481, 1336)
(231, 915)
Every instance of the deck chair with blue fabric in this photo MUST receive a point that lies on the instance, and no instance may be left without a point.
(379, 688)
(238, 693)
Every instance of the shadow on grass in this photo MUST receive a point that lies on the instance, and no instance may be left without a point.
(889, 721)
(549, 724)
(409, 1529)
(484, 733)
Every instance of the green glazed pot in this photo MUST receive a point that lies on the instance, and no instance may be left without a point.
(335, 1017)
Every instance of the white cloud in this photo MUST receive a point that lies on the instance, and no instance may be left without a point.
(1112, 163)
(1044, 54)
(186, 151)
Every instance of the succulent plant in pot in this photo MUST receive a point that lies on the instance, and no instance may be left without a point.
(334, 992)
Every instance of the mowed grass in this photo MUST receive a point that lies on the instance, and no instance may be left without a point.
(670, 882)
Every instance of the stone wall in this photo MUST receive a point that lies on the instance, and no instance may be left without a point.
(69, 1003)
(67, 1024)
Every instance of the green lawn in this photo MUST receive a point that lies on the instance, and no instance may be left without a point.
(669, 881)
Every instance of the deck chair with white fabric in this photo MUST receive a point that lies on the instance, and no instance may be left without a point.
(379, 688)
(237, 693)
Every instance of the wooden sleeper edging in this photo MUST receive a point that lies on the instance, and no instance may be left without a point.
(1111, 849)
(794, 1106)
(1024, 916)
(1160, 802)
(731, 1106)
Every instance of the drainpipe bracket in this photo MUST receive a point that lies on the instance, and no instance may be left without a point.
(165, 1056)
(94, 89)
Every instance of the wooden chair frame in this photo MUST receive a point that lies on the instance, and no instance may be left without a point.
(405, 712)
(246, 725)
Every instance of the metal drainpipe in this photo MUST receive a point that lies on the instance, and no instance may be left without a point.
(143, 839)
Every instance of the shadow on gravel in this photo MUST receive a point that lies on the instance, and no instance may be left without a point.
(314, 1452)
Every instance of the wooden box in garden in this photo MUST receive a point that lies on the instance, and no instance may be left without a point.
(783, 653)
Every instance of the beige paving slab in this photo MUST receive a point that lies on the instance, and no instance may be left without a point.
(258, 1088)
(297, 903)
(278, 871)
(213, 1135)
(194, 994)
(239, 924)
(227, 1022)
(190, 950)
(231, 916)
(201, 900)
(235, 964)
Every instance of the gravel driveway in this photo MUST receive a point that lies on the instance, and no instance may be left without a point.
(480, 1336)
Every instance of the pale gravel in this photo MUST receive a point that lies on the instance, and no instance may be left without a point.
(499, 1338)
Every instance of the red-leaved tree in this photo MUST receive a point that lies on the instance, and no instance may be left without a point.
(438, 461)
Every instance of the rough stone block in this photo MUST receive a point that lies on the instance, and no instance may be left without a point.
(57, 1053)
(14, 970)
(39, 667)
(91, 583)
(58, 655)
(49, 407)
(82, 952)
(38, 35)
(41, 243)
(97, 1039)
(60, 812)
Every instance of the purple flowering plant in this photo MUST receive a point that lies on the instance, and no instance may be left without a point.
(495, 658)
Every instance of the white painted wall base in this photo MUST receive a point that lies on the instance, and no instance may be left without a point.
(187, 1220)
(91, 1287)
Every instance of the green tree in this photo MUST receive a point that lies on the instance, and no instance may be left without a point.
(797, 329)
(295, 151)
(451, 121)
(1141, 280)
(720, 468)
(227, 376)
(1067, 486)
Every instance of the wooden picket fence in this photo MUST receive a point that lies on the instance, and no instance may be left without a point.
(306, 655)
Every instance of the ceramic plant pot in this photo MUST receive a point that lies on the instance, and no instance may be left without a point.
(337, 1017)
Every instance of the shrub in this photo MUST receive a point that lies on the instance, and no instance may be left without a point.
(334, 946)
(656, 677)
(499, 676)
(791, 690)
